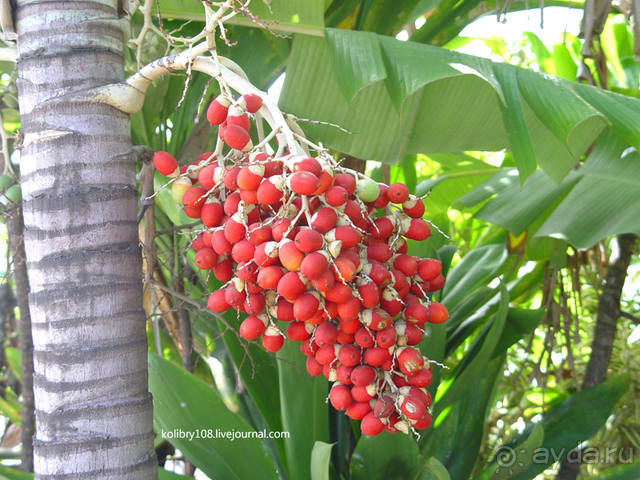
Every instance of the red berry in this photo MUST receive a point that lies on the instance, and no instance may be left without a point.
(346, 181)
(410, 361)
(205, 177)
(303, 183)
(363, 375)
(349, 355)
(237, 138)
(166, 164)
(297, 331)
(217, 302)
(313, 265)
(370, 425)
(437, 313)
(206, 259)
(398, 193)
(252, 327)
(253, 102)
(340, 396)
(336, 196)
(269, 277)
(308, 240)
(290, 286)
(305, 306)
(429, 268)
(217, 111)
(272, 340)
(358, 410)
(313, 367)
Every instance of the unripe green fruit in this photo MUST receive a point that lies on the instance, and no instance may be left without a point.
(367, 190)
(13, 193)
(179, 188)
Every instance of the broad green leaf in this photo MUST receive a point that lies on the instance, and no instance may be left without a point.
(304, 410)
(410, 109)
(513, 459)
(563, 125)
(385, 456)
(622, 112)
(320, 460)
(355, 68)
(513, 115)
(476, 359)
(566, 425)
(433, 470)
(604, 202)
(621, 472)
(474, 269)
(182, 402)
(284, 15)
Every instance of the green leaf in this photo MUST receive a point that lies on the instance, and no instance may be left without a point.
(565, 424)
(320, 460)
(502, 180)
(355, 68)
(515, 207)
(476, 359)
(455, 440)
(385, 456)
(433, 470)
(621, 472)
(12, 474)
(564, 65)
(182, 402)
(14, 358)
(519, 324)
(513, 115)
(284, 15)
(475, 268)
(605, 200)
(8, 410)
(513, 459)
(564, 124)
(304, 410)
(406, 108)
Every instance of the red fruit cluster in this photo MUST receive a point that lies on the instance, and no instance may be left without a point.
(311, 254)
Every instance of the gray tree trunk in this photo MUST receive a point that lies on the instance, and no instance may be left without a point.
(93, 408)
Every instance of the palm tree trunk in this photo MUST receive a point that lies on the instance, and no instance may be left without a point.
(93, 408)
